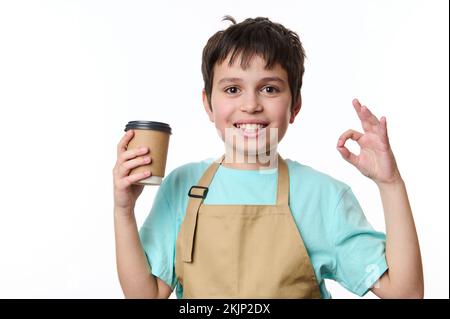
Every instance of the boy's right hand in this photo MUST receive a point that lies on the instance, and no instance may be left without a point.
(125, 192)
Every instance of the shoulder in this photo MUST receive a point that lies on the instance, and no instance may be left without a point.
(304, 178)
(310, 175)
(189, 171)
(183, 177)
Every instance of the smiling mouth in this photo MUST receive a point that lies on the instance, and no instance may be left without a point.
(250, 127)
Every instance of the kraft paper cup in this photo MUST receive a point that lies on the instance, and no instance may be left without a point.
(155, 136)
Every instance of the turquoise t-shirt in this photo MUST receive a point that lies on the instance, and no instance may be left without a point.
(341, 244)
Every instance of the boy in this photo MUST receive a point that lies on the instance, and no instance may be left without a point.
(251, 224)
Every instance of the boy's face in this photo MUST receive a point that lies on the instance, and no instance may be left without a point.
(251, 104)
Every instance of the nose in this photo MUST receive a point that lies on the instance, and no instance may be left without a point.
(251, 103)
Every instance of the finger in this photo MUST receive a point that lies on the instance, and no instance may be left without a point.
(347, 155)
(383, 125)
(349, 134)
(366, 117)
(127, 166)
(128, 180)
(356, 105)
(132, 153)
(383, 130)
(122, 146)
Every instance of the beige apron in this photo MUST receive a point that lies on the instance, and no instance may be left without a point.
(242, 251)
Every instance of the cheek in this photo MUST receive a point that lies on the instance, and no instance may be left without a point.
(221, 112)
(220, 118)
(281, 116)
(282, 122)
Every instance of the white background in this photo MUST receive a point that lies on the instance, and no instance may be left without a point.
(72, 73)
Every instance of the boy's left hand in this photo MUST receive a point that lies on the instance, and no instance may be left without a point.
(375, 159)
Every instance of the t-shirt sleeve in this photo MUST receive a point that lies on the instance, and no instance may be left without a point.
(158, 238)
(359, 249)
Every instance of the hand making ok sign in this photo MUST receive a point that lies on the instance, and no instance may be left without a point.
(375, 159)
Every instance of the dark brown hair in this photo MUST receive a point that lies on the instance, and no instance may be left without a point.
(259, 36)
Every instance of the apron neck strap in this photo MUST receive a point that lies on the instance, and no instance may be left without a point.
(195, 200)
(208, 176)
(283, 183)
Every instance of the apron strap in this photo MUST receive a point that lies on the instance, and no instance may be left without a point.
(196, 196)
(283, 183)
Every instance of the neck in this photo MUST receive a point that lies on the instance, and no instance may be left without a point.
(251, 162)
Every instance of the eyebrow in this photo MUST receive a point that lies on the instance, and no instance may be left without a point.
(266, 79)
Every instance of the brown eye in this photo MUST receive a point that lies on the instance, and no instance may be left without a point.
(270, 89)
(232, 90)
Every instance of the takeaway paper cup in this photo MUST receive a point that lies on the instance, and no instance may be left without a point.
(155, 136)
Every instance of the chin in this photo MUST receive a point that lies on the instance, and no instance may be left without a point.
(246, 151)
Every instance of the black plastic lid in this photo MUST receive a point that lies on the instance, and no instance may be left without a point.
(148, 125)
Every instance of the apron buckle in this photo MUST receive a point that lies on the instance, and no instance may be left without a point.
(203, 190)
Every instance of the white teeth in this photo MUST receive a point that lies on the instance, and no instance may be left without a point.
(250, 127)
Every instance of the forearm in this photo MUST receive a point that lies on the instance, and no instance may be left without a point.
(402, 246)
(134, 273)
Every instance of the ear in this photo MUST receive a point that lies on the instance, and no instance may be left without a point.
(296, 109)
(207, 107)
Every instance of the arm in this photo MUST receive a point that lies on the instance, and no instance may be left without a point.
(135, 277)
(404, 279)
(134, 272)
